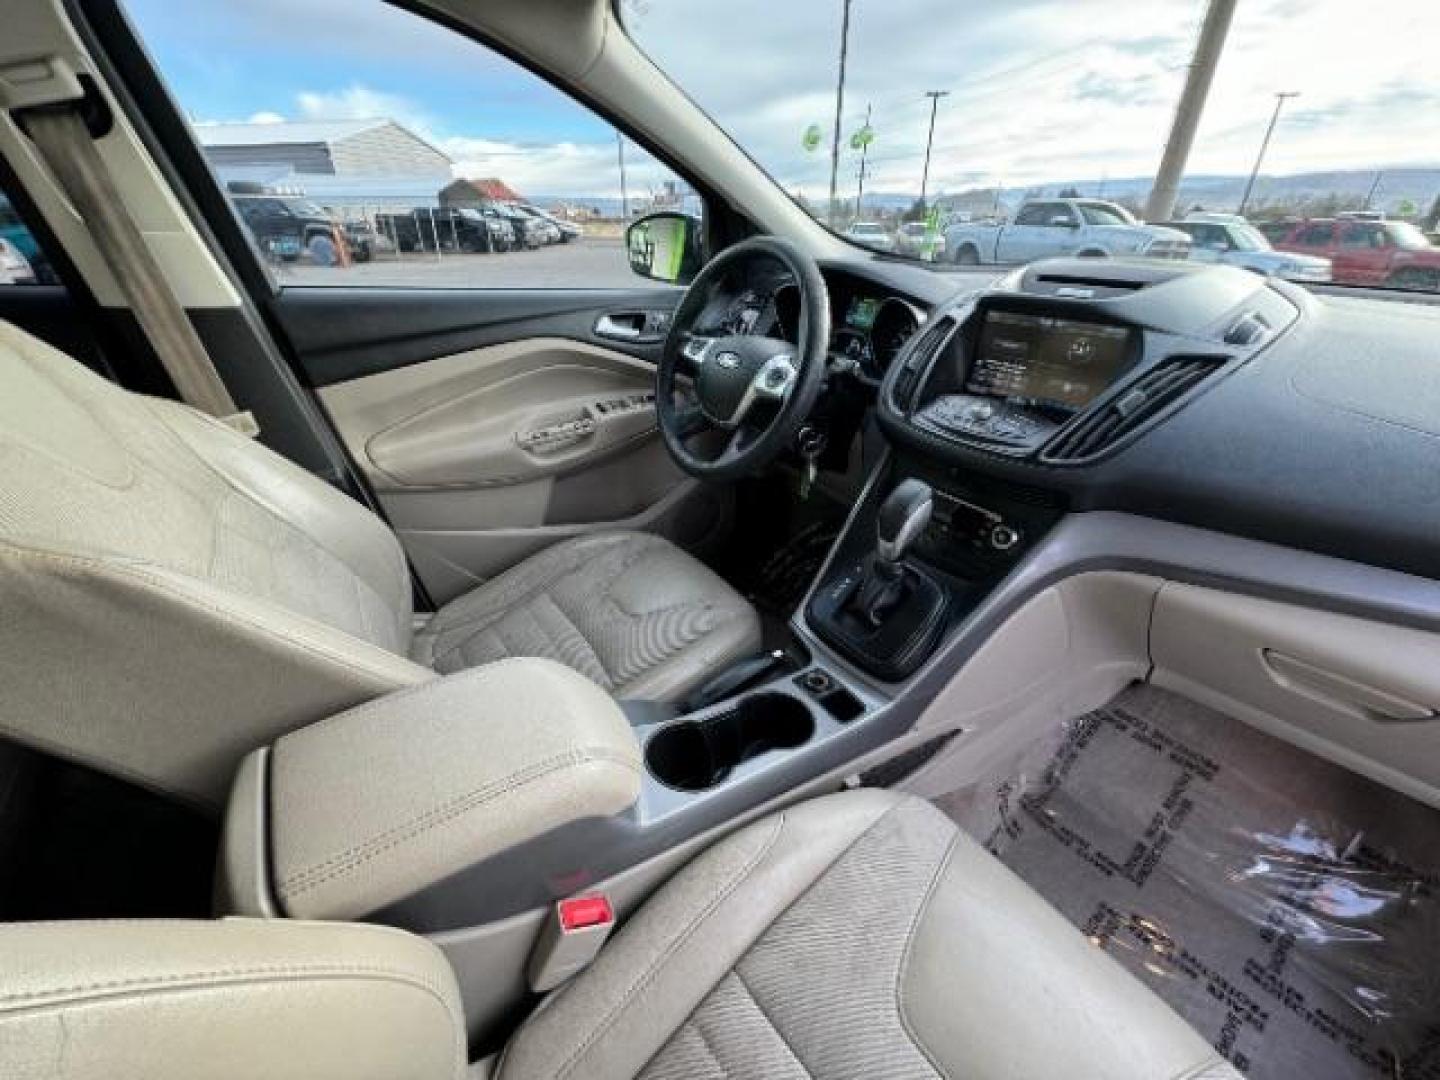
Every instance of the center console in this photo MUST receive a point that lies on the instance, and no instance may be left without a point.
(1003, 407)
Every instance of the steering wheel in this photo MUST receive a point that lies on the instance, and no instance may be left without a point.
(756, 390)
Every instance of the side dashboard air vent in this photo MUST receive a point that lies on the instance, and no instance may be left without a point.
(917, 358)
(1145, 399)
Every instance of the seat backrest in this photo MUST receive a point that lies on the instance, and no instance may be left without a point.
(173, 594)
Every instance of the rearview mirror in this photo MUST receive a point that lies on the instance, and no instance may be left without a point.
(665, 247)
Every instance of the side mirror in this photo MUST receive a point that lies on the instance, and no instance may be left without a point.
(665, 247)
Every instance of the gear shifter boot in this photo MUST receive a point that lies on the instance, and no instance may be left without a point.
(881, 591)
(887, 625)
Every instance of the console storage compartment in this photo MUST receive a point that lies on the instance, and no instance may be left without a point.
(374, 805)
(693, 755)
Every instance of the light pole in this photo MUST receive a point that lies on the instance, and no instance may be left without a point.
(1280, 100)
(934, 96)
(839, 106)
(624, 195)
(1160, 206)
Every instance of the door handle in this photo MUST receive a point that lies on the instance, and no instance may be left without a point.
(641, 326)
(1348, 693)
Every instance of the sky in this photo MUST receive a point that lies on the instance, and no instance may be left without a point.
(1039, 91)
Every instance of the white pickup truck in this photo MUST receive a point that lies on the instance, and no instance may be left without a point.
(1045, 227)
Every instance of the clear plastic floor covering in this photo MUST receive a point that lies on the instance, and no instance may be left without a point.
(1286, 907)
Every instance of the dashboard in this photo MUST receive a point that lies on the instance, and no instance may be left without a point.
(1200, 395)
(1190, 393)
(870, 323)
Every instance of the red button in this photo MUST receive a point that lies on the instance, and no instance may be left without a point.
(582, 912)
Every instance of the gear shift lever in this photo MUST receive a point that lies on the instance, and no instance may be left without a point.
(903, 516)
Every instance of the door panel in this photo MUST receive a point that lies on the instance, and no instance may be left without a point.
(486, 456)
(342, 333)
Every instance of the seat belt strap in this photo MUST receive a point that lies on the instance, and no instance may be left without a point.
(64, 140)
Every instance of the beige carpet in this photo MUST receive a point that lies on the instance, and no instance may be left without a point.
(1289, 909)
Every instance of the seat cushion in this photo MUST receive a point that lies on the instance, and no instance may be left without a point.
(858, 935)
(630, 610)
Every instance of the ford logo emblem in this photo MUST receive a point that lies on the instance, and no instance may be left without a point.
(728, 360)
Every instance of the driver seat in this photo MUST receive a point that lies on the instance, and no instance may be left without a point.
(176, 595)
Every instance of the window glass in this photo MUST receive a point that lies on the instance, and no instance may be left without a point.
(1100, 214)
(362, 144)
(21, 260)
(1317, 235)
(1034, 214)
(1362, 236)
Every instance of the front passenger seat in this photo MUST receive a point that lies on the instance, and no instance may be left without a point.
(173, 595)
(855, 937)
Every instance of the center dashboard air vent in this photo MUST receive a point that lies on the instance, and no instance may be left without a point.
(1143, 401)
(915, 360)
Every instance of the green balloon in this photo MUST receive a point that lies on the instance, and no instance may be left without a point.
(811, 139)
(862, 138)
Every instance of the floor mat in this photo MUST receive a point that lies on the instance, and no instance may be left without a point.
(1286, 907)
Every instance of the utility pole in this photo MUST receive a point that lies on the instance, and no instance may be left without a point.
(864, 152)
(934, 96)
(1280, 100)
(1208, 47)
(1374, 187)
(624, 196)
(839, 106)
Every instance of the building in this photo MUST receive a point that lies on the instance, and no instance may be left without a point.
(348, 148)
(479, 193)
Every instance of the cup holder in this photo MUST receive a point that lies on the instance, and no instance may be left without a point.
(694, 755)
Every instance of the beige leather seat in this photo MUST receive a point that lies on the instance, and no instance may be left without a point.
(176, 595)
(858, 935)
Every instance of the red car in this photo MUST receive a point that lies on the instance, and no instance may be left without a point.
(1392, 253)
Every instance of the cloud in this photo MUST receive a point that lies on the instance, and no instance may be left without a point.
(360, 102)
(266, 117)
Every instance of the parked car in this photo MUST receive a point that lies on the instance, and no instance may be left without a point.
(1046, 227)
(1364, 252)
(285, 226)
(568, 229)
(460, 229)
(872, 234)
(18, 235)
(1234, 241)
(530, 232)
(550, 229)
(918, 239)
(15, 269)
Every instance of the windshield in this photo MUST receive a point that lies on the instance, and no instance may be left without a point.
(958, 119)
(1105, 214)
(1248, 238)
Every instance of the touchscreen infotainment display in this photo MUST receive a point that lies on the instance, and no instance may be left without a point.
(1046, 360)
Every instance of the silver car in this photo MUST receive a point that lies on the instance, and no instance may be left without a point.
(1232, 240)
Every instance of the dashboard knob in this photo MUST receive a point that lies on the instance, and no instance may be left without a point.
(1003, 537)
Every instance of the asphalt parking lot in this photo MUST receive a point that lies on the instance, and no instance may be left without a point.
(589, 262)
